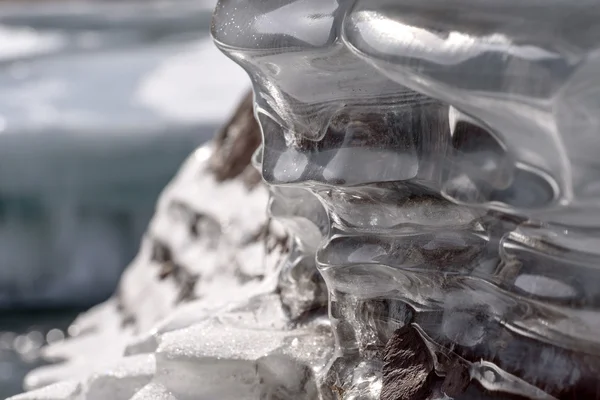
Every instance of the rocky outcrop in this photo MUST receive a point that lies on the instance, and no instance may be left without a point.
(203, 310)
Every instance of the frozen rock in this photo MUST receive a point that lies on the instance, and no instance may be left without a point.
(154, 391)
(419, 161)
(208, 307)
(446, 142)
(121, 380)
(228, 361)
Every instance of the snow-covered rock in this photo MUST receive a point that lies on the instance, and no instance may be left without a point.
(200, 312)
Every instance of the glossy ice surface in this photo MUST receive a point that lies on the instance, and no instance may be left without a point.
(454, 145)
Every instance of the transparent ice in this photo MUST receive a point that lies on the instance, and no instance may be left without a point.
(453, 144)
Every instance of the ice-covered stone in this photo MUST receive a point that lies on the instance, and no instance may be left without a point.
(449, 142)
(223, 300)
(422, 157)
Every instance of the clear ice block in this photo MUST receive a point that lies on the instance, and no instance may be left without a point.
(453, 145)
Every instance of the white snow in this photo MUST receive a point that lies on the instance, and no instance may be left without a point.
(17, 43)
(234, 342)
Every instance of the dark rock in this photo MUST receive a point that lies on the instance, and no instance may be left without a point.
(407, 367)
(166, 270)
(235, 144)
(161, 253)
(457, 380)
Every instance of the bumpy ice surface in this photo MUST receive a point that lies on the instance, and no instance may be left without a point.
(453, 145)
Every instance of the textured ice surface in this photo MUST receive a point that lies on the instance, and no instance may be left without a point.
(453, 145)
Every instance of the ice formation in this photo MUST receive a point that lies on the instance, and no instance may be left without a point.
(453, 145)
(433, 161)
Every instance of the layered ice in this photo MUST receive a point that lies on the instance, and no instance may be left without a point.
(452, 145)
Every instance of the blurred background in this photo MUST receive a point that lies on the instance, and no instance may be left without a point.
(100, 102)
